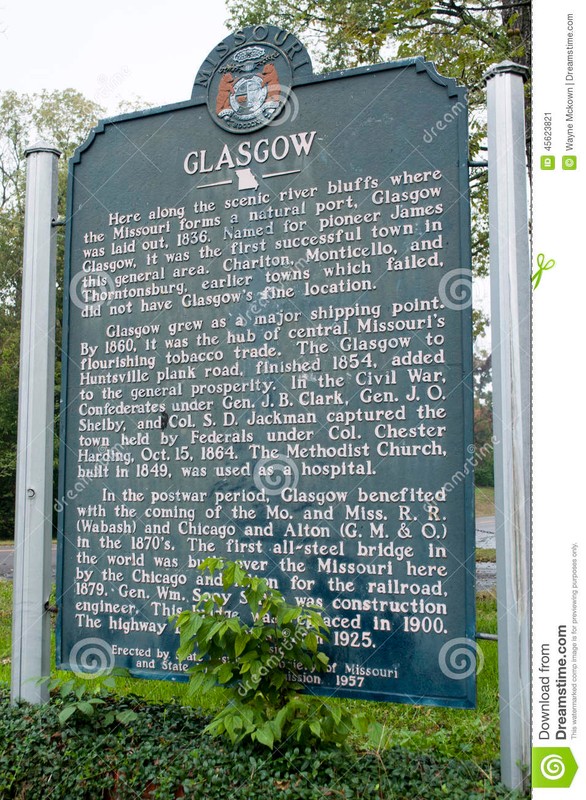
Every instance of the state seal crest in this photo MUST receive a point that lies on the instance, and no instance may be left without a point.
(249, 88)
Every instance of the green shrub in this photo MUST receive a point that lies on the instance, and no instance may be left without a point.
(90, 698)
(258, 660)
(484, 471)
(165, 754)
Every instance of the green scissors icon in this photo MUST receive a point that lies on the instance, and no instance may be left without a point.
(542, 266)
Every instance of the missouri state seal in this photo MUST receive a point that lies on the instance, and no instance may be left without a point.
(249, 88)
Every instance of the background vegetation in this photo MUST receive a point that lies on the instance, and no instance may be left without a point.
(63, 118)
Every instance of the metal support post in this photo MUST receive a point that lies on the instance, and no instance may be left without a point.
(510, 268)
(31, 632)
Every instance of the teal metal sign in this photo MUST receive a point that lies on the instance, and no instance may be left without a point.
(267, 342)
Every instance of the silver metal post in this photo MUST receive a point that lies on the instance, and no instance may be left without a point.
(510, 268)
(31, 632)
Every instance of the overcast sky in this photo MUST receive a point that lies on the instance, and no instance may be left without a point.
(109, 50)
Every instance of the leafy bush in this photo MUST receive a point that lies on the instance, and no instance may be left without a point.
(165, 754)
(89, 698)
(258, 660)
(484, 471)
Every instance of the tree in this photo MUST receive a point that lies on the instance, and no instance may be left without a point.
(64, 118)
(483, 419)
(462, 37)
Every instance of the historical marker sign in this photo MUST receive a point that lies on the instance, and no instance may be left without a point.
(267, 360)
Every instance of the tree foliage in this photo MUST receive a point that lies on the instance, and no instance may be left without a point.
(462, 37)
(483, 430)
(64, 119)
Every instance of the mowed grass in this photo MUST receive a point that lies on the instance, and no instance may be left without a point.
(456, 733)
(484, 501)
(5, 628)
(453, 732)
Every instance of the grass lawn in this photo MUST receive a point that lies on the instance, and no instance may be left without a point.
(484, 501)
(5, 628)
(449, 732)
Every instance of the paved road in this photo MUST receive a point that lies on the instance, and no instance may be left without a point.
(485, 572)
(7, 561)
(485, 527)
